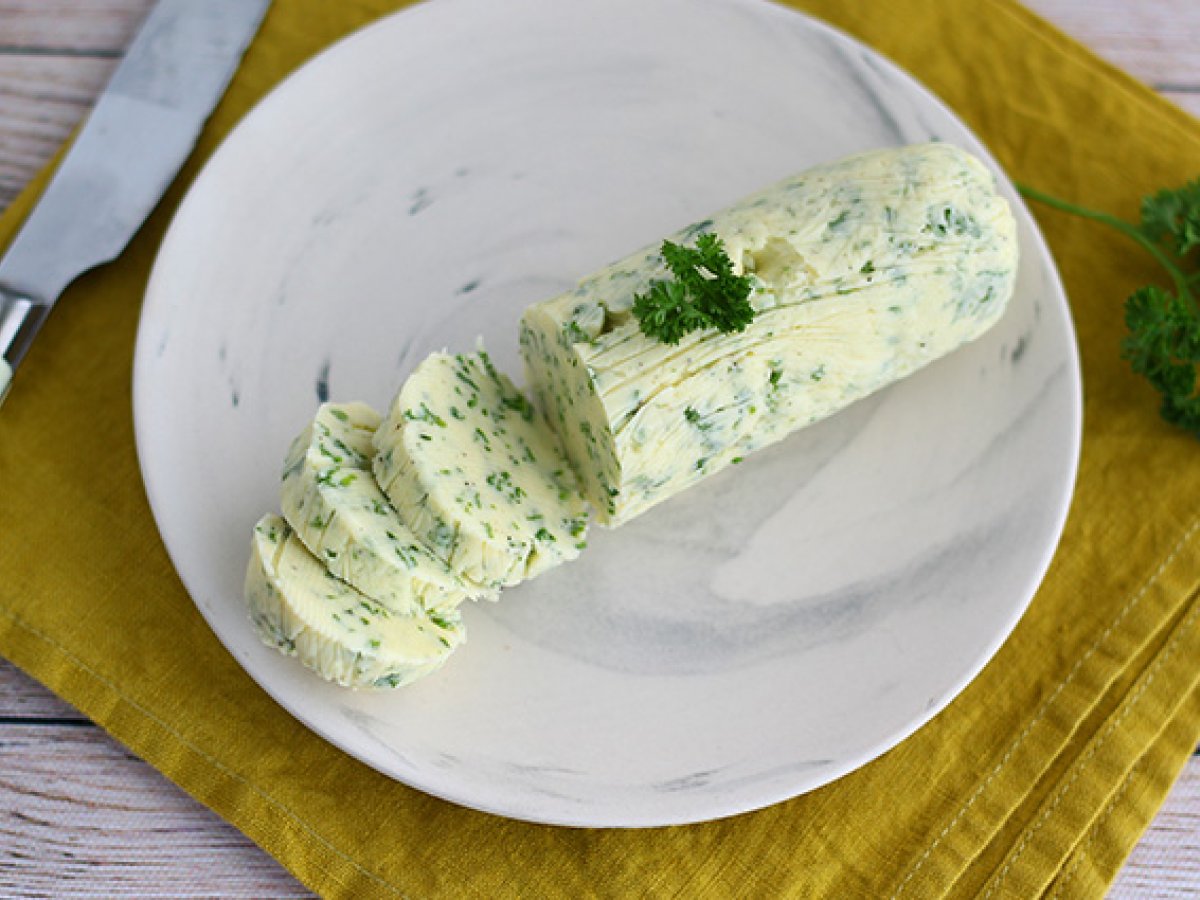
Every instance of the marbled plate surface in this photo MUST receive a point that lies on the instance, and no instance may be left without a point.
(422, 182)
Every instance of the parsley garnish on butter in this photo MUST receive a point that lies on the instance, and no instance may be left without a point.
(704, 293)
(1163, 343)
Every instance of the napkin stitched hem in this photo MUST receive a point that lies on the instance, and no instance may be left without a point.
(1092, 757)
(1083, 849)
(1147, 779)
(1044, 709)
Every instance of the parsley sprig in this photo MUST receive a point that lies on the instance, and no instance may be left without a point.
(705, 293)
(1163, 343)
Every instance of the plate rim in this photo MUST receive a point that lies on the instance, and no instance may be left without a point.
(436, 787)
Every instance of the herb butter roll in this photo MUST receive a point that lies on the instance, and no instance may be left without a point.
(476, 475)
(332, 502)
(858, 273)
(298, 607)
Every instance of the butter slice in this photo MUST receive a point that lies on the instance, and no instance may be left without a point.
(332, 502)
(301, 609)
(476, 475)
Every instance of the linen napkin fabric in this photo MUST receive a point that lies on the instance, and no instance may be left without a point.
(1037, 780)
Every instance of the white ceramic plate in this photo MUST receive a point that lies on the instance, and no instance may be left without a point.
(423, 181)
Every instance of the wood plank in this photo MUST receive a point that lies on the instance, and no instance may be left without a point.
(81, 817)
(23, 699)
(69, 26)
(1154, 40)
(42, 98)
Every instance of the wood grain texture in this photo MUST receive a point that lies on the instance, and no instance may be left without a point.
(41, 99)
(62, 27)
(24, 700)
(1155, 40)
(55, 57)
(79, 816)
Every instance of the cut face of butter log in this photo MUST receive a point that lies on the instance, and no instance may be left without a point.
(864, 270)
(299, 607)
(479, 479)
(331, 500)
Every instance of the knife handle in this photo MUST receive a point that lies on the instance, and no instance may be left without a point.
(21, 317)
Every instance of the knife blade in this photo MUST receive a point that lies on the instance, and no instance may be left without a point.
(128, 151)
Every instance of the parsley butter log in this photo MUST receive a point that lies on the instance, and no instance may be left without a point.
(476, 475)
(855, 274)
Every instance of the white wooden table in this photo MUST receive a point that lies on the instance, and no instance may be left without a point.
(78, 814)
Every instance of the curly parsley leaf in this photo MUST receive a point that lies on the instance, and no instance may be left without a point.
(1163, 346)
(1174, 214)
(1163, 340)
(705, 293)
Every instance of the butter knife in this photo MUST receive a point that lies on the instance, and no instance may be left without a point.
(129, 150)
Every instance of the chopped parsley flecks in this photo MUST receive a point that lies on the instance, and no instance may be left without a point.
(486, 433)
(425, 414)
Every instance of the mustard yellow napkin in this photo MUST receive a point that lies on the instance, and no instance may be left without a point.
(1037, 779)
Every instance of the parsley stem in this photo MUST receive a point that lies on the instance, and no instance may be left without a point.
(1130, 231)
